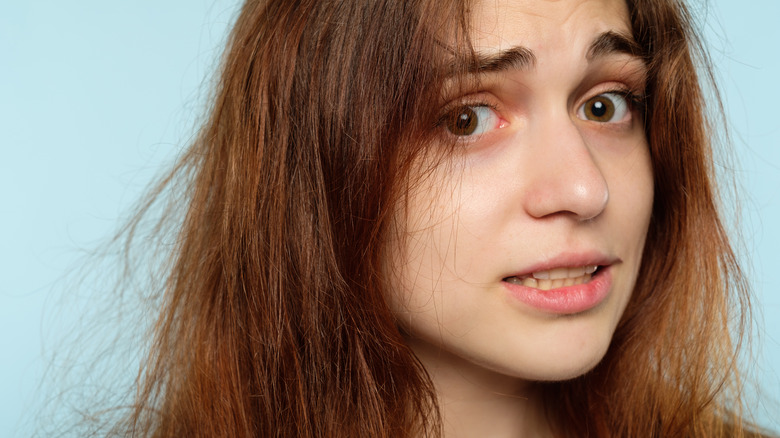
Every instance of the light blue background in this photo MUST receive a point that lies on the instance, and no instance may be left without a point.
(95, 98)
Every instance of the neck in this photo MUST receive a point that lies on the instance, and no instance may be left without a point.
(474, 401)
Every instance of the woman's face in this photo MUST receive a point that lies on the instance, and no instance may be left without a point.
(493, 267)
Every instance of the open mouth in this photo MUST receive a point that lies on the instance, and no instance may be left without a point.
(556, 278)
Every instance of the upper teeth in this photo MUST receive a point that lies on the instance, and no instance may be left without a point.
(559, 273)
(555, 278)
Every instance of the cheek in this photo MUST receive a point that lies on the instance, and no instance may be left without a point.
(627, 167)
(417, 253)
(421, 259)
(631, 202)
(635, 189)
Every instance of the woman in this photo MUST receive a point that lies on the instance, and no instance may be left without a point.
(450, 218)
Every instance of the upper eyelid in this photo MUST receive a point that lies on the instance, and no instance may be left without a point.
(630, 96)
(612, 87)
(470, 99)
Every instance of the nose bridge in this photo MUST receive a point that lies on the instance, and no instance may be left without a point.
(565, 178)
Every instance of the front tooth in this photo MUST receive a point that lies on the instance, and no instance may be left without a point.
(559, 273)
(541, 275)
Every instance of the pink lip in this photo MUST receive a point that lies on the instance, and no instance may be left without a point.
(565, 300)
(569, 299)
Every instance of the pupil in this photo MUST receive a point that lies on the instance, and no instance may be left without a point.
(464, 120)
(598, 109)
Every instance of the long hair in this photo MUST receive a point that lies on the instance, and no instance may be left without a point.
(273, 318)
(273, 321)
(672, 367)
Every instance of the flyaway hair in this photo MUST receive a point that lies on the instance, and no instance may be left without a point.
(274, 321)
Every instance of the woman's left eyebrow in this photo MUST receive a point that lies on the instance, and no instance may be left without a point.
(610, 43)
(523, 58)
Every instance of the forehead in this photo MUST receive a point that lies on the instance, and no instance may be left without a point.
(545, 25)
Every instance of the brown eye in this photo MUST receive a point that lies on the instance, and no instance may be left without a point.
(462, 121)
(607, 107)
(599, 109)
(470, 120)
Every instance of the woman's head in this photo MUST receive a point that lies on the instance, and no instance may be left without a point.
(549, 180)
(334, 203)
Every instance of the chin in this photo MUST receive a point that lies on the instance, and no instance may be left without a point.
(569, 369)
(559, 359)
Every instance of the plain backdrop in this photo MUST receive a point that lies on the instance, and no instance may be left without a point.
(96, 97)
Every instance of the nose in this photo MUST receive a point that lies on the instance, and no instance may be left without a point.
(564, 178)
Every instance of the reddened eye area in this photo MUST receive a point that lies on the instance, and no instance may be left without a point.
(470, 120)
(604, 108)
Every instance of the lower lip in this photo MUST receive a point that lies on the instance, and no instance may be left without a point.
(566, 300)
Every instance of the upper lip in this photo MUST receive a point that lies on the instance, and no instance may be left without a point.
(568, 260)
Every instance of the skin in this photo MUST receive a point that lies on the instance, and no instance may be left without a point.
(540, 184)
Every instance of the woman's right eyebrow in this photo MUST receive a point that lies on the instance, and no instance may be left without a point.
(515, 58)
(523, 58)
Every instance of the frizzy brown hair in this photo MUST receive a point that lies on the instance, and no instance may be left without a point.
(274, 324)
(274, 321)
(672, 368)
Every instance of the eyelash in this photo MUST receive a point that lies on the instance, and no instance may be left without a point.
(635, 100)
(465, 104)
